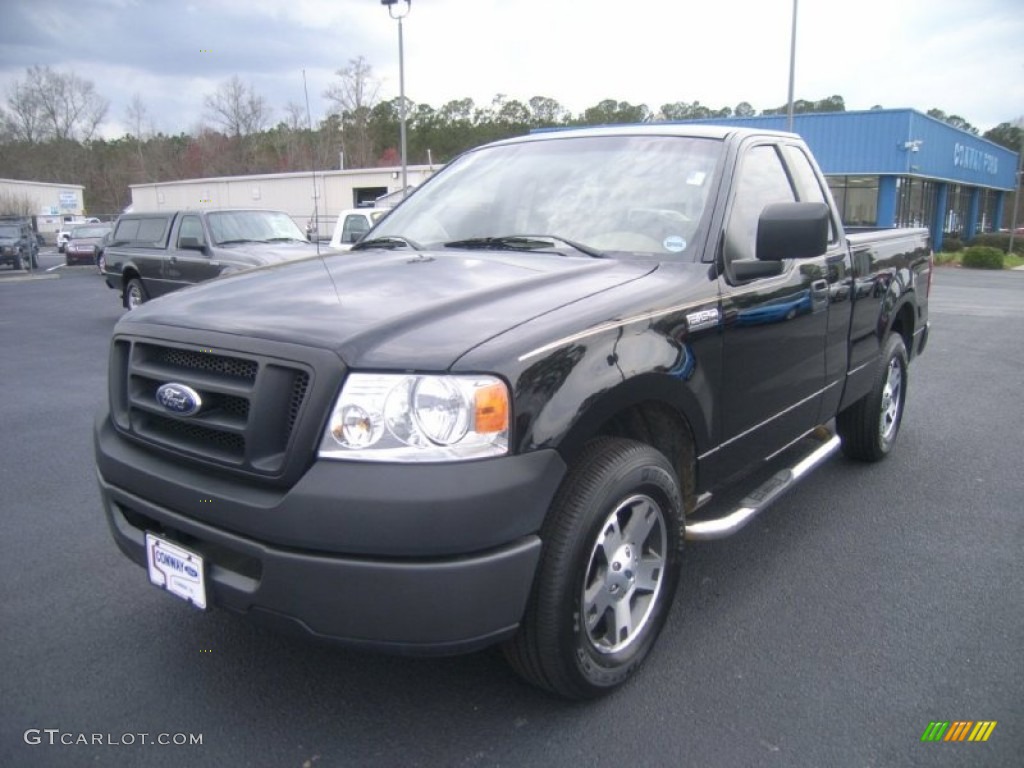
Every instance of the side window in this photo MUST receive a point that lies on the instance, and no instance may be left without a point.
(191, 226)
(355, 227)
(151, 231)
(807, 185)
(762, 180)
(127, 231)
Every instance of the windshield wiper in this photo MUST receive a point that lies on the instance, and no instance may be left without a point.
(388, 241)
(286, 240)
(522, 243)
(235, 242)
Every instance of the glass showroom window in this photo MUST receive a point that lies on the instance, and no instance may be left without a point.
(916, 204)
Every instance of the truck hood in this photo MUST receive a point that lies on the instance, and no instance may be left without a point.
(387, 309)
(262, 254)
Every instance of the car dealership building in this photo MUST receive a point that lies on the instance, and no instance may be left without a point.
(902, 168)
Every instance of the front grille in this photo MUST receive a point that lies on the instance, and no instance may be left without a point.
(250, 404)
(189, 360)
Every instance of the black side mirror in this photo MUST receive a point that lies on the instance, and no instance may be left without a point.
(792, 231)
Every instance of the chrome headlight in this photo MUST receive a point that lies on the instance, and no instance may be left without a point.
(409, 417)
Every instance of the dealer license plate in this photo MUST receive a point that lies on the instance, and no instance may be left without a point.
(176, 569)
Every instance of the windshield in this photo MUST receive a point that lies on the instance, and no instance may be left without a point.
(248, 226)
(80, 232)
(638, 194)
(9, 232)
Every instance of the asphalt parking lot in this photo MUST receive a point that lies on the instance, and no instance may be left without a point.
(869, 602)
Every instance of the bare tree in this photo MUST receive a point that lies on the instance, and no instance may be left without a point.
(23, 117)
(237, 108)
(137, 116)
(53, 105)
(354, 95)
(243, 114)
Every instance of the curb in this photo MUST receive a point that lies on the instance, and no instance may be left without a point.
(25, 277)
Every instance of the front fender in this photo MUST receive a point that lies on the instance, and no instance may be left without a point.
(564, 398)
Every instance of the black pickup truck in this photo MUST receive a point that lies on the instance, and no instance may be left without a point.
(498, 418)
(150, 254)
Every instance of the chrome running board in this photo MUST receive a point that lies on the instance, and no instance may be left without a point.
(762, 496)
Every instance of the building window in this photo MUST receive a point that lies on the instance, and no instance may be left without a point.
(856, 198)
(987, 210)
(915, 206)
(958, 208)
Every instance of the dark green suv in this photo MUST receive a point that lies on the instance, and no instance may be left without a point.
(18, 245)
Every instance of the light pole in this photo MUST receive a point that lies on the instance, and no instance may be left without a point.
(792, 72)
(397, 13)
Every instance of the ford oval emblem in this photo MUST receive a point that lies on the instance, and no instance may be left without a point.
(179, 399)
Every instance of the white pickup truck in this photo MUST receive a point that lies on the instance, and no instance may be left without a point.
(352, 224)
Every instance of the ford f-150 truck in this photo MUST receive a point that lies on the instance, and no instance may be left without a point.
(497, 419)
(150, 254)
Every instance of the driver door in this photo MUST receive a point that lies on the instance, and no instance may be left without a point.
(775, 323)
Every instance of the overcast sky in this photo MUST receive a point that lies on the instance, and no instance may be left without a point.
(962, 56)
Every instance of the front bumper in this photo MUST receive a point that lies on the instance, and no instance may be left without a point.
(407, 559)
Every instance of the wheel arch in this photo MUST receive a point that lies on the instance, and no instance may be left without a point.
(903, 323)
(128, 273)
(652, 409)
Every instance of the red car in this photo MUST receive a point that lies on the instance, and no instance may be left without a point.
(84, 244)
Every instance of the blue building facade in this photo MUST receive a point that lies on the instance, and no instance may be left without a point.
(902, 168)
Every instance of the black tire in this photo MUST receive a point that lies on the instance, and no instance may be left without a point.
(615, 525)
(17, 263)
(134, 294)
(869, 427)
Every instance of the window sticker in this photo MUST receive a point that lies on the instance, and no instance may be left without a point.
(674, 243)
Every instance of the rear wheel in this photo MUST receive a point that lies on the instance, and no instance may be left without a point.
(608, 572)
(134, 294)
(869, 427)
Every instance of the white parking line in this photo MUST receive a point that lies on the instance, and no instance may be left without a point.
(57, 267)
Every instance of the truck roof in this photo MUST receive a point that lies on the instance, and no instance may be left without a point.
(701, 131)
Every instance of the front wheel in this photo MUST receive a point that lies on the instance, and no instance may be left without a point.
(134, 294)
(869, 427)
(608, 572)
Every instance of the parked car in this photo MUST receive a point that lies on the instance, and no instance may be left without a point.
(150, 254)
(352, 224)
(65, 231)
(18, 245)
(84, 244)
(497, 418)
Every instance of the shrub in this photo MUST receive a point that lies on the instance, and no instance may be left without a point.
(1000, 240)
(982, 257)
(951, 243)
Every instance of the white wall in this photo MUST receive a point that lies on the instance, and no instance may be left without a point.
(49, 201)
(288, 192)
